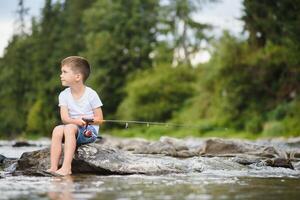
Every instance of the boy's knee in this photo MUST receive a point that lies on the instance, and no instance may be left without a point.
(58, 131)
(70, 128)
(58, 128)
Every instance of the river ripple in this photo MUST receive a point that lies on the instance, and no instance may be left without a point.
(189, 186)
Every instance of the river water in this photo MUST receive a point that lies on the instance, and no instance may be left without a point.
(280, 183)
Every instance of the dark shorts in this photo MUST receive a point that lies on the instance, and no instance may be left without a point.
(81, 139)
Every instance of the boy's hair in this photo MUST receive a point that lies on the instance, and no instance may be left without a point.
(78, 64)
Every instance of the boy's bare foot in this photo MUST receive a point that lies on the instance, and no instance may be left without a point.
(63, 172)
(51, 170)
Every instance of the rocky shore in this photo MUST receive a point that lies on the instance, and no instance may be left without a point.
(168, 155)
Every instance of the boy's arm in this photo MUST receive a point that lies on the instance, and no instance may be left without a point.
(98, 116)
(66, 119)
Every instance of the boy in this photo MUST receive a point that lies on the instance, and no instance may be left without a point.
(76, 102)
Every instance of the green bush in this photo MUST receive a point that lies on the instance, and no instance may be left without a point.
(254, 123)
(41, 118)
(292, 118)
(34, 120)
(292, 126)
(156, 94)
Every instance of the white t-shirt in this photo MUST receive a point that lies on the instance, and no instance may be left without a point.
(82, 107)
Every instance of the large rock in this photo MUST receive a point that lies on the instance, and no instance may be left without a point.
(113, 161)
(34, 161)
(100, 159)
(222, 147)
(165, 146)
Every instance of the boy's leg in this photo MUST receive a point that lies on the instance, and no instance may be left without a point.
(56, 142)
(70, 131)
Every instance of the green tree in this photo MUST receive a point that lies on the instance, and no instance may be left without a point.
(177, 22)
(276, 21)
(120, 35)
(16, 93)
(30, 67)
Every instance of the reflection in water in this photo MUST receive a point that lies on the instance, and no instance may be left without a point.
(173, 186)
(61, 188)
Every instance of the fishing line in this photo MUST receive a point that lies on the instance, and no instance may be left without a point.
(127, 122)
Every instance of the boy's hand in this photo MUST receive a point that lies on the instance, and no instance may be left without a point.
(88, 120)
(80, 122)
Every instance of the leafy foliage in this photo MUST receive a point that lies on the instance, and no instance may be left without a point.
(156, 93)
(246, 89)
(119, 43)
(274, 21)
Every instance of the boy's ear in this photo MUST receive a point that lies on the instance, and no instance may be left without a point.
(78, 77)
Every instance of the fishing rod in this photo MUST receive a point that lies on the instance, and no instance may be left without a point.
(148, 124)
(127, 122)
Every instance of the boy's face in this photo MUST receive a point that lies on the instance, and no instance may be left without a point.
(68, 77)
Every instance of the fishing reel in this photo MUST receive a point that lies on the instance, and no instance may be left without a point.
(87, 133)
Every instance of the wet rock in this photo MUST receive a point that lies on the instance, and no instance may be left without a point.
(279, 162)
(2, 158)
(138, 156)
(167, 146)
(35, 160)
(186, 153)
(157, 148)
(231, 148)
(133, 144)
(246, 160)
(10, 165)
(269, 152)
(273, 162)
(123, 143)
(6, 162)
(293, 142)
(179, 145)
(22, 144)
(221, 146)
(106, 160)
(296, 165)
(295, 155)
(98, 159)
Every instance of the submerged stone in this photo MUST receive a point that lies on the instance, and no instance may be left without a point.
(22, 144)
(280, 162)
